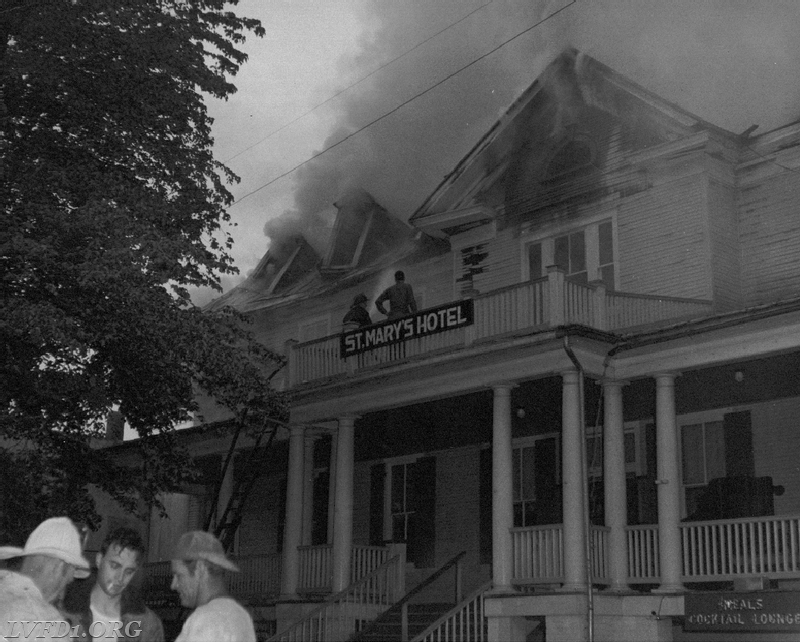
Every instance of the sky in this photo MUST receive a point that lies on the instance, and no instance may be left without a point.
(400, 90)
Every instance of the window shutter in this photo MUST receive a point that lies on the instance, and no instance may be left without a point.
(739, 459)
(377, 477)
(422, 536)
(485, 507)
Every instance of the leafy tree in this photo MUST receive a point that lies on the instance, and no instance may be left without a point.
(111, 208)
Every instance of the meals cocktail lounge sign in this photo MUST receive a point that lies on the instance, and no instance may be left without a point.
(420, 324)
(765, 611)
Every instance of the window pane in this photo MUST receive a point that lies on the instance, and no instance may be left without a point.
(606, 243)
(561, 252)
(630, 448)
(715, 450)
(517, 474)
(692, 447)
(594, 452)
(535, 261)
(577, 252)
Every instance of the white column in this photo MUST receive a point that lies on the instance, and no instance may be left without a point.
(669, 536)
(615, 490)
(572, 472)
(502, 492)
(308, 489)
(292, 531)
(343, 517)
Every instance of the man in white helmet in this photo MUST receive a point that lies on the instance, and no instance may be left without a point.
(51, 558)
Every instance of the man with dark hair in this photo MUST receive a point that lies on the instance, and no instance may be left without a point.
(400, 297)
(51, 558)
(108, 607)
(199, 568)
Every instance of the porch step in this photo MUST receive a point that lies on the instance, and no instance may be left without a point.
(388, 627)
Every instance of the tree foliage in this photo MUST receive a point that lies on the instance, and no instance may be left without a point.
(112, 206)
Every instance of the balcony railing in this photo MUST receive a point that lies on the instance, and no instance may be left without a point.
(541, 304)
(713, 551)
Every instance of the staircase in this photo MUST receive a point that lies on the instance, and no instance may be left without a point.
(389, 626)
(404, 620)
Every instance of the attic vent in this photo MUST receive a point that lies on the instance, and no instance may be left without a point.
(573, 156)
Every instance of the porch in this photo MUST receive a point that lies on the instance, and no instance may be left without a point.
(756, 548)
(525, 307)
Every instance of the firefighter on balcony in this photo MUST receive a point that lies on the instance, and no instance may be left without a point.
(400, 297)
(357, 316)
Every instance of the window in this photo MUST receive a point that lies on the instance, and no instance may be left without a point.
(631, 448)
(585, 255)
(536, 476)
(702, 457)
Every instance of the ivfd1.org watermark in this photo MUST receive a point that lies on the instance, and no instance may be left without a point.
(28, 629)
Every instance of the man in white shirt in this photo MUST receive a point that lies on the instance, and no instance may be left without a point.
(199, 568)
(51, 558)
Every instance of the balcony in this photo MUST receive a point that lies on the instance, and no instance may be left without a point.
(522, 308)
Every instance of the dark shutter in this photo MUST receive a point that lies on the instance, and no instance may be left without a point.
(739, 459)
(422, 522)
(377, 476)
(485, 507)
(282, 512)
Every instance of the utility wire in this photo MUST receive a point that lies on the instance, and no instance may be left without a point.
(404, 103)
(358, 82)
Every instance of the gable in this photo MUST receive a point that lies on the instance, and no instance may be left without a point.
(569, 127)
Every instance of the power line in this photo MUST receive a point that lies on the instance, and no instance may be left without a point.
(358, 82)
(404, 103)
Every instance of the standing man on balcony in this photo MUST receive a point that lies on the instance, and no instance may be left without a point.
(400, 297)
(357, 316)
(108, 607)
(199, 565)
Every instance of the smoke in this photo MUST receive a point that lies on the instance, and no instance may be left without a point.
(729, 62)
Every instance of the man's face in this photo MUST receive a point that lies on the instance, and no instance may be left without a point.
(115, 569)
(187, 584)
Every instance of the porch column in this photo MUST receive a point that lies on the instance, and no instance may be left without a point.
(308, 488)
(343, 515)
(502, 490)
(669, 536)
(615, 490)
(292, 532)
(572, 449)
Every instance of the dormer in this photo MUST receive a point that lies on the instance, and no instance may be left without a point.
(363, 232)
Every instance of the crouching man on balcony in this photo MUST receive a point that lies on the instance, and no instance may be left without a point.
(108, 607)
(199, 565)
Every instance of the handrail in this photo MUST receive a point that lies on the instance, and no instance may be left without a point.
(430, 579)
(336, 598)
(478, 592)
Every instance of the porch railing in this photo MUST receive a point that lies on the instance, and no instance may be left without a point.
(718, 550)
(543, 303)
(338, 617)
(316, 568)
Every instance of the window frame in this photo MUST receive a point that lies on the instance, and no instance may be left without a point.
(546, 238)
(704, 417)
(527, 442)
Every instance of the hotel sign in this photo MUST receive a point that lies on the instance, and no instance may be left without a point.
(420, 324)
(765, 611)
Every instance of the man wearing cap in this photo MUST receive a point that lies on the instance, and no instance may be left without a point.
(199, 565)
(108, 607)
(400, 297)
(51, 558)
(357, 315)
